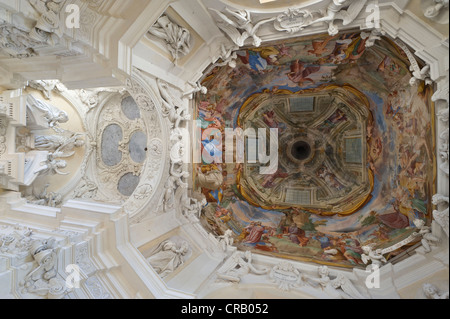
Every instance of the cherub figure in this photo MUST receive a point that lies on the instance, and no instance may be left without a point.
(422, 74)
(373, 255)
(226, 239)
(425, 231)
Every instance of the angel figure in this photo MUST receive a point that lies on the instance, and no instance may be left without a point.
(300, 73)
(335, 12)
(51, 167)
(168, 256)
(320, 46)
(441, 216)
(239, 265)
(174, 108)
(425, 231)
(240, 20)
(372, 255)
(52, 115)
(331, 286)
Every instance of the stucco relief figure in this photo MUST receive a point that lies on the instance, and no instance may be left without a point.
(51, 114)
(174, 181)
(87, 189)
(419, 75)
(234, 20)
(226, 240)
(195, 87)
(42, 280)
(239, 265)
(46, 87)
(173, 107)
(47, 28)
(52, 167)
(228, 55)
(335, 12)
(195, 206)
(441, 216)
(331, 286)
(373, 255)
(51, 199)
(176, 38)
(168, 256)
(443, 151)
(433, 10)
(209, 179)
(427, 237)
(62, 145)
(431, 292)
(372, 36)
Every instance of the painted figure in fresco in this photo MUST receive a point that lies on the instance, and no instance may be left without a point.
(351, 249)
(297, 235)
(329, 178)
(255, 234)
(245, 231)
(337, 117)
(319, 46)
(389, 66)
(348, 49)
(270, 120)
(209, 177)
(253, 60)
(270, 54)
(269, 180)
(323, 240)
(300, 73)
(284, 51)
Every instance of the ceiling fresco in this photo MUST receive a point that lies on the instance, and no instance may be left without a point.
(355, 149)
